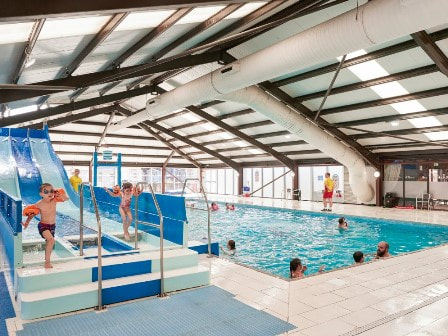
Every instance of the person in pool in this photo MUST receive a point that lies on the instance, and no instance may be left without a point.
(297, 270)
(231, 249)
(214, 206)
(230, 206)
(382, 251)
(342, 223)
(358, 256)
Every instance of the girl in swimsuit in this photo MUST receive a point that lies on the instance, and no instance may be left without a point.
(125, 206)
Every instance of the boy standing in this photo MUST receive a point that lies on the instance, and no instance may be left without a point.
(46, 207)
(328, 192)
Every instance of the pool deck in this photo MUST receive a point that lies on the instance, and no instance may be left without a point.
(404, 295)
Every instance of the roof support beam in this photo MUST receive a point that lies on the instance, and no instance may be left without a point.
(372, 82)
(106, 76)
(400, 47)
(210, 22)
(22, 10)
(432, 50)
(304, 111)
(407, 131)
(150, 124)
(34, 35)
(105, 31)
(73, 106)
(95, 134)
(111, 145)
(387, 101)
(74, 117)
(407, 116)
(153, 34)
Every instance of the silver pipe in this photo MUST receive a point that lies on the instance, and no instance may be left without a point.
(100, 260)
(159, 212)
(208, 210)
(136, 214)
(81, 221)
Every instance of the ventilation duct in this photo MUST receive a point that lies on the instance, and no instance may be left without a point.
(282, 115)
(373, 23)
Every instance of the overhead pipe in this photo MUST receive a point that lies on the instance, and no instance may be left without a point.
(282, 115)
(372, 23)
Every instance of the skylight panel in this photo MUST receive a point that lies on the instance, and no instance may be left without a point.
(25, 109)
(246, 9)
(191, 117)
(225, 135)
(15, 32)
(425, 122)
(141, 20)
(255, 151)
(368, 70)
(408, 107)
(436, 136)
(57, 28)
(209, 127)
(200, 14)
(240, 143)
(388, 90)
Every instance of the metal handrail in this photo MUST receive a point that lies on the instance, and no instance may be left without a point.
(208, 210)
(81, 238)
(159, 213)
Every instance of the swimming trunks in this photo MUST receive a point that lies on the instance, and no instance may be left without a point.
(44, 227)
(328, 194)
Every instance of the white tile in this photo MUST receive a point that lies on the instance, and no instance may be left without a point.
(321, 300)
(352, 291)
(301, 322)
(325, 314)
(331, 328)
(359, 302)
(364, 316)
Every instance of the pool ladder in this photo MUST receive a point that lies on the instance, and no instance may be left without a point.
(98, 231)
(204, 194)
(159, 226)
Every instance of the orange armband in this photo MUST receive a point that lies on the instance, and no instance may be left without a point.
(60, 195)
(31, 210)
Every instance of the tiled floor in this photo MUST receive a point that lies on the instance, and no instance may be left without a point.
(405, 295)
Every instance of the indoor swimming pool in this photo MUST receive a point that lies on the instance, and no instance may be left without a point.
(268, 238)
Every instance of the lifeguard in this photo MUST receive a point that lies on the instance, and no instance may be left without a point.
(328, 192)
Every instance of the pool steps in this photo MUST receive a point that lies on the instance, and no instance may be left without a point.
(72, 285)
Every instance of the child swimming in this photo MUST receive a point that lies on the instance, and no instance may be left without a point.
(46, 207)
(231, 249)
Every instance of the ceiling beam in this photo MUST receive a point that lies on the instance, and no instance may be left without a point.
(73, 117)
(97, 134)
(73, 106)
(430, 154)
(152, 156)
(110, 145)
(248, 156)
(394, 49)
(34, 35)
(186, 140)
(105, 31)
(153, 34)
(406, 131)
(305, 112)
(22, 10)
(425, 70)
(107, 76)
(425, 42)
(407, 116)
(200, 28)
(387, 101)
(400, 145)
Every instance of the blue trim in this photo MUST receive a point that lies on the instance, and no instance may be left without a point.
(203, 249)
(123, 270)
(131, 291)
(97, 164)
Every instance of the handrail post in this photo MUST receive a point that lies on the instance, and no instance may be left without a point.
(81, 221)
(204, 194)
(100, 260)
(159, 213)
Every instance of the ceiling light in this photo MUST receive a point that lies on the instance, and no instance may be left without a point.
(376, 173)
(287, 136)
(30, 62)
(395, 123)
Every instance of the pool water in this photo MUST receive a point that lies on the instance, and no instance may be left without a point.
(268, 238)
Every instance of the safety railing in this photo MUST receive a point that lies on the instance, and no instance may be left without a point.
(140, 187)
(204, 194)
(81, 238)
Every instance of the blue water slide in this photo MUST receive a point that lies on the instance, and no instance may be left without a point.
(28, 175)
(8, 167)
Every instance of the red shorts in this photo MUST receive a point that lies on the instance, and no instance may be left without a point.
(328, 194)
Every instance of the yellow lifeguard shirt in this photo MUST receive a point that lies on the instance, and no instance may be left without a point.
(329, 184)
(75, 181)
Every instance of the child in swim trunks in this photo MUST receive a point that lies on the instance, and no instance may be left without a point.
(46, 207)
(125, 205)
